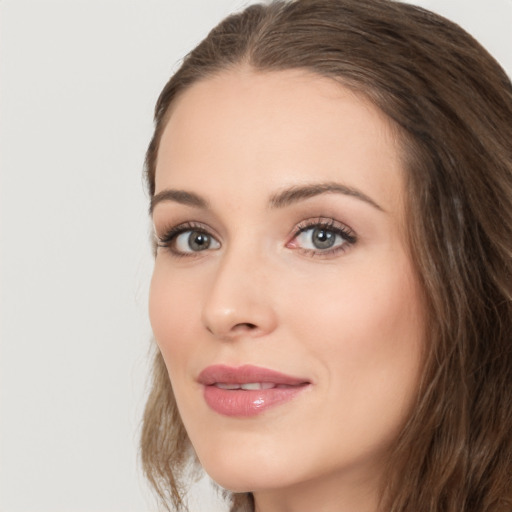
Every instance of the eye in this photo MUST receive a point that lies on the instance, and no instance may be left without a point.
(194, 241)
(322, 237)
(185, 240)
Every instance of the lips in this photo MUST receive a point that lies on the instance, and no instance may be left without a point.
(247, 390)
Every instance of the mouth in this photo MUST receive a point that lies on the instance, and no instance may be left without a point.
(247, 390)
(251, 386)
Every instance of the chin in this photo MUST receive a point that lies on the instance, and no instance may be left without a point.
(233, 483)
(246, 483)
(246, 473)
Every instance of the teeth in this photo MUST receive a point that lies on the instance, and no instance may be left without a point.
(257, 385)
(250, 386)
(221, 385)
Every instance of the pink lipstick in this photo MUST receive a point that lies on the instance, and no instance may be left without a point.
(247, 390)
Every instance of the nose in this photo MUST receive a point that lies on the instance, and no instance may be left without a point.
(239, 301)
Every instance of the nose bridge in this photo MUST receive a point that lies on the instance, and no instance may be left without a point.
(239, 299)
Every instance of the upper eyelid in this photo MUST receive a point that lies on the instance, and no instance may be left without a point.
(168, 238)
(340, 229)
(182, 227)
(328, 222)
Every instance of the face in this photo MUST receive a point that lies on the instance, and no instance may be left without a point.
(283, 298)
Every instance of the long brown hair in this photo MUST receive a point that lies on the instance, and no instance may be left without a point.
(452, 104)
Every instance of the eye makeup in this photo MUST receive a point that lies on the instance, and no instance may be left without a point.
(318, 236)
(199, 239)
(325, 236)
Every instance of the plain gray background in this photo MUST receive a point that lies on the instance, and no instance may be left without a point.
(78, 84)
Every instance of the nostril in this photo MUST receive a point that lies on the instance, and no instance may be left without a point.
(237, 328)
(245, 326)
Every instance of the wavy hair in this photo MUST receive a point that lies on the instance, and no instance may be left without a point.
(452, 105)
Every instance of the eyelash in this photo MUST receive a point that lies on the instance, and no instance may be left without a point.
(331, 226)
(168, 239)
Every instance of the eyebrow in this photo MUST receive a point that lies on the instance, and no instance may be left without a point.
(278, 200)
(299, 193)
(178, 196)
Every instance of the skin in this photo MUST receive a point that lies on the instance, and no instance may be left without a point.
(350, 322)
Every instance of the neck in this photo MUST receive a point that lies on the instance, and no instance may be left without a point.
(333, 493)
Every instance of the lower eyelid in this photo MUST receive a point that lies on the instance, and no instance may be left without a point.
(167, 239)
(171, 240)
(345, 237)
(330, 250)
(330, 253)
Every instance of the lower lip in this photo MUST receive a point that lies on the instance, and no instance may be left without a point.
(246, 403)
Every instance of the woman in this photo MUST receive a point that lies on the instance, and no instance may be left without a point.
(331, 191)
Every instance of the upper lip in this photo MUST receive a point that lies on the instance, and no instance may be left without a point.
(244, 375)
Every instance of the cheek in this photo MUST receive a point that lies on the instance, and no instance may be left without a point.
(172, 313)
(367, 336)
(365, 327)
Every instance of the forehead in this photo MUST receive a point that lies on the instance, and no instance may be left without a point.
(249, 131)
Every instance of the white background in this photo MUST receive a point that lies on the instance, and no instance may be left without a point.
(78, 84)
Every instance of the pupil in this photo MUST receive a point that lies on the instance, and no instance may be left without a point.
(323, 239)
(198, 241)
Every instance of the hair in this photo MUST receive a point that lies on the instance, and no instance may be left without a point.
(452, 105)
